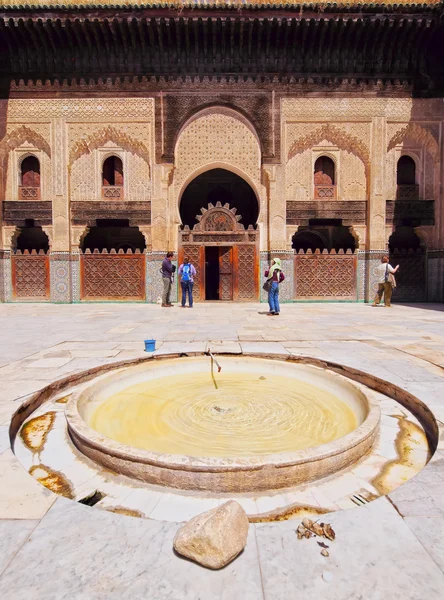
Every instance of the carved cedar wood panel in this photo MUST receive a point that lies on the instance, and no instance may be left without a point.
(113, 276)
(246, 268)
(30, 276)
(325, 276)
(411, 277)
(225, 274)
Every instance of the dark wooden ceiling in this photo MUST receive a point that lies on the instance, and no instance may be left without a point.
(379, 46)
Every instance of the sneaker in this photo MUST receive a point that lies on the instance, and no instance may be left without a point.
(276, 314)
(270, 314)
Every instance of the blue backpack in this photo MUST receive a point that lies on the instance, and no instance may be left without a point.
(186, 273)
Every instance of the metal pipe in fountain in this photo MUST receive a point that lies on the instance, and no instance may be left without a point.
(219, 368)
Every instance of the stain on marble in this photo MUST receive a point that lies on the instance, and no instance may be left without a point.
(52, 480)
(410, 443)
(63, 400)
(295, 511)
(129, 512)
(35, 431)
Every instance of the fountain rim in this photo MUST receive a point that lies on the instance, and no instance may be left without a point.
(90, 441)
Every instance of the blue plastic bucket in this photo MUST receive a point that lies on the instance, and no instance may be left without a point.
(150, 345)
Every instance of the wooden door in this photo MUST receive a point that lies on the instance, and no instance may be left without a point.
(226, 273)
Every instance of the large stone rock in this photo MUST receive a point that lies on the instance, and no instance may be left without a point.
(215, 537)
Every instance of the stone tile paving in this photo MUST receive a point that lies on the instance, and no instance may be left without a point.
(54, 548)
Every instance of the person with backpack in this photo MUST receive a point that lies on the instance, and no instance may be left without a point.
(187, 272)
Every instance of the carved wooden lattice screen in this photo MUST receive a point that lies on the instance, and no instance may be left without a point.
(30, 276)
(325, 276)
(226, 273)
(411, 277)
(112, 276)
(247, 272)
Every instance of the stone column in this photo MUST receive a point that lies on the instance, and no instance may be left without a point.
(376, 228)
(5, 255)
(276, 211)
(159, 209)
(60, 263)
(162, 232)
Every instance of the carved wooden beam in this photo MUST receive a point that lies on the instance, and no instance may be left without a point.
(15, 53)
(58, 50)
(142, 29)
(23, 42)
(93, 49)
(110, 44)
(153, 45)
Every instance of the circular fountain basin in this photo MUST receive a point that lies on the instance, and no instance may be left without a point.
(260, 424)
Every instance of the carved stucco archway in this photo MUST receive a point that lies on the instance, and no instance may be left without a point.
(419, 134)
(217, 137)
(108, 134)
(15, 139)
(20, 136)
(334, 135)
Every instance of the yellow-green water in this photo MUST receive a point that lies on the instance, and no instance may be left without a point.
(248, 415)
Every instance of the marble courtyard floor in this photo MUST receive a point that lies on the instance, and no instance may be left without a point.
(55, 548)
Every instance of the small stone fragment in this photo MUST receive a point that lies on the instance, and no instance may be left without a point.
(324, 552)
(214, 538)
(307, 523)
(300, 529)
(329, 532)
(317, 529)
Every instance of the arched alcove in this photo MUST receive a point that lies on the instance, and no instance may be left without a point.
(324, 171)
(112, 171)
(113, 234)
(308, 240)
(32, 238)
(324, 234)
(406, 171)
(29, 183)
(219, 185)
(404, 238)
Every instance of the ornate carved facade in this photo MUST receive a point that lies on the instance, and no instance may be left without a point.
(261, 91)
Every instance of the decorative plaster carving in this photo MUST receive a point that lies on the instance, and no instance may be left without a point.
(421, 135)
(108, 134)
(23, 135)
(335, 135)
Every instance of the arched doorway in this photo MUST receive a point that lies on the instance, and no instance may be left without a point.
(219, 212)
(219, 185)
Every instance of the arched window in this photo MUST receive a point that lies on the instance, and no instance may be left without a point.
(406, 179)
(324, 178)
(406, 171)
(112, 178)
(29, 188)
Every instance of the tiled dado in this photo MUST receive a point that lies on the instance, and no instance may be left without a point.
(65, 276)
(154, 283)
(60, 276)
(5, 276)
